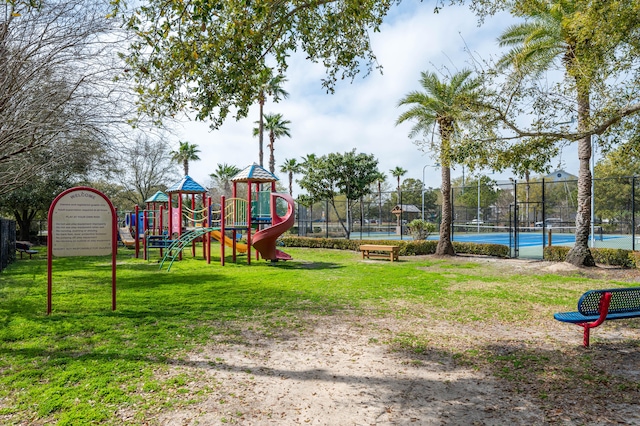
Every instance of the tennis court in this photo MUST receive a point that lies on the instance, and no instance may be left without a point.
(530, 240)
(525, 239)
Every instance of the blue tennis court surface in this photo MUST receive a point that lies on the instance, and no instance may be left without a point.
(525, 239)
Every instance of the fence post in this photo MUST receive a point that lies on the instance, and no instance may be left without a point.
(633, 213)
(299, 211)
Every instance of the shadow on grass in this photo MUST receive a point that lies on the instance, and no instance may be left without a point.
(305, 265)
(599, 385)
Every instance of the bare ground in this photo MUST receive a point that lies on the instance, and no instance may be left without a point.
(364, 369)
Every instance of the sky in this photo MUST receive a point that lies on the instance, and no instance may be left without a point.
(362, 114)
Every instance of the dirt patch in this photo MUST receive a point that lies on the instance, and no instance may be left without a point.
(354, 370)
(367, 369)
(341, 373)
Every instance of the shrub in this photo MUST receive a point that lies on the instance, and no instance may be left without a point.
(634, 258)
(605, 256)
(420, 229)
(497, 250)
(555, 253)
(407, 248)
(608, 256)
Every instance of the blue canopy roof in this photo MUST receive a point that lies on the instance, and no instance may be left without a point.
(186, 186)
(158, 197)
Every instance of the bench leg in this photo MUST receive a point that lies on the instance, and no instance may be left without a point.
(585, 339)
(603, 307)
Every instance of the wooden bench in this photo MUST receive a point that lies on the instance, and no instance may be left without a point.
(25, 247)
(379, 251)
(596, 306)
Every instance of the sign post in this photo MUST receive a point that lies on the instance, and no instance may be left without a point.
(82, 222)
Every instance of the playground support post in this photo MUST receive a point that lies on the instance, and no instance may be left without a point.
(180, 221)
(249, 183)
(169, 217)
(193, 208)
(137, 228)
(208, 235)
(160, 227)
(222, 228)
(145, 227)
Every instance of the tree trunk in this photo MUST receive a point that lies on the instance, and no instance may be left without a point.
(261, 132)
(399, 217)
(291, 184)
(24, 219)
(580, 255)
(379, 204)
(445, 246)
(347, 234)
(272, 157)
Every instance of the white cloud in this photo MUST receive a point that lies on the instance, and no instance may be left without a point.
(361, 114)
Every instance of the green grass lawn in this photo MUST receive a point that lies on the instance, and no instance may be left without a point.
(85, 362)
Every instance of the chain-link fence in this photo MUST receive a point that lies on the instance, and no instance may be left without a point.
(7, 242)
(524, 216)
(376, 216)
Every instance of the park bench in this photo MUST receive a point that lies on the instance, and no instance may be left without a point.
(379, 251)
(596, 306)
(25, 247)
(158, 241)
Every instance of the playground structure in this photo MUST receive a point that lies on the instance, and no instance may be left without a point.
(182, 220)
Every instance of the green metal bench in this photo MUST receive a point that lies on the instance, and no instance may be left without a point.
(158, 241)
(596, 306)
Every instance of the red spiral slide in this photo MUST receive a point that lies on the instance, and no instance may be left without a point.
(265, 241)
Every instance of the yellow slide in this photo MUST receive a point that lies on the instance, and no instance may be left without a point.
(126, 237)
(241, 248)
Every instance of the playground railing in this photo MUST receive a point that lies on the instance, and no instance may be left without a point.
(235, 213)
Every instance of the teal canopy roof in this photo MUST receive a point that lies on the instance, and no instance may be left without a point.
(158, 197)
(186, 186)
(255, 173)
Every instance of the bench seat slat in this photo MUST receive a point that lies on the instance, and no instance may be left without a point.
(577, 317)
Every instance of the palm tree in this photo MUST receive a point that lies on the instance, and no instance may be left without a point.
(308, 163)
(185, 153)
(535, 45)
(277, 128)
(380, 179)
(398, 172)
(223, 175)
(309, 160)
(273, 88)
(290, 166)
(445, 104)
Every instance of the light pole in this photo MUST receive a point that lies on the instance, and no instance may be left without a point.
(424, 186)
(478, 215)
